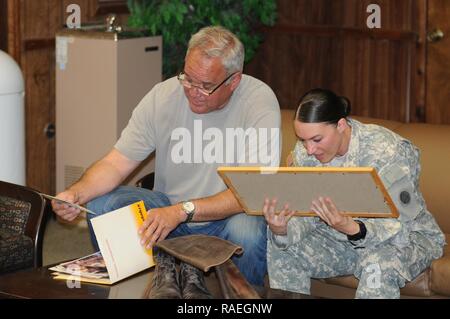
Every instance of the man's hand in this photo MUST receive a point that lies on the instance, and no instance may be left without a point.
(327, 211)
(277, 222)
(159, 223)
(65, 211)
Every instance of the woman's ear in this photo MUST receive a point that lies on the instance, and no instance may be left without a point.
(342, 125)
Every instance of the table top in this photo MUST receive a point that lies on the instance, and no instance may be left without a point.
(39, 283)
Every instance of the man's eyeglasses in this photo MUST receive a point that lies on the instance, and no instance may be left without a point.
(187, 83)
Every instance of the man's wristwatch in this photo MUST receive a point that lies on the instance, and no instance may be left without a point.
(361, 234)
(189, 208)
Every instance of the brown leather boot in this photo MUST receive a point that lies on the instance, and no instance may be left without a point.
(165, 284)
(193, 284)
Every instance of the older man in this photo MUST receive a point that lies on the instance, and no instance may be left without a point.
(210, 115)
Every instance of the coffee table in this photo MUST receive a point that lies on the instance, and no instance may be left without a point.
(38, 283)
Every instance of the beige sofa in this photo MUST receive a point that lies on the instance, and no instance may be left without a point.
(434, 143)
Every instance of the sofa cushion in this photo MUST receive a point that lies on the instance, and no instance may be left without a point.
(440, 272)
(420, 287)
(288, 134)
(434, 145)
(390, 125)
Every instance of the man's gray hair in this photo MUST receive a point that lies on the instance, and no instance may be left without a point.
(216, 41)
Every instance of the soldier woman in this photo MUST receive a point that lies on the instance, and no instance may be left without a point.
(383, 253)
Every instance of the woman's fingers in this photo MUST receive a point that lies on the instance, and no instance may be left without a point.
(284, 211)
(269, 211)
(288, 215)
(317, 208)
(273, 204)
(326, 211)
(331, 205)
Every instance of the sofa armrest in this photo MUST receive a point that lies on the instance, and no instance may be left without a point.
(440, 273)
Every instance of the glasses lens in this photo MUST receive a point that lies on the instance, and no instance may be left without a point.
(189, 85)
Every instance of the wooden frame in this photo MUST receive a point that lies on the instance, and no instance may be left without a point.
(357, 191)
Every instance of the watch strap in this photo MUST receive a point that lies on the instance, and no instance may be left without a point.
(189, 217)
(361, 234)
(189, 214)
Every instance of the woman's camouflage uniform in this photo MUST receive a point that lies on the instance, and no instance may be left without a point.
(393, 252)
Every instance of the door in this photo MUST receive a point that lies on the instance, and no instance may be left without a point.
(438, 62)
(328, 44)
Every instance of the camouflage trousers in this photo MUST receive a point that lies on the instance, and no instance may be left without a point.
(382, 270)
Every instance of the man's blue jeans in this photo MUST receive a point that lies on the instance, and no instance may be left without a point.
(249, 232)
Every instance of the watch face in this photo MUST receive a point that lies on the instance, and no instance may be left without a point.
(189, 206)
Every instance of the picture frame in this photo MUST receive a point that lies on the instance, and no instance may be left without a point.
(356, 191)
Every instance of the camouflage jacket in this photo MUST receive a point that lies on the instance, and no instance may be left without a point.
(397, 163)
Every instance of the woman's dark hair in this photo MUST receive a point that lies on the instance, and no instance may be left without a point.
(322, 106)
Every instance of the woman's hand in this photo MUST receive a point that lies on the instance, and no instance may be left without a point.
(327, 211)
(277, 222)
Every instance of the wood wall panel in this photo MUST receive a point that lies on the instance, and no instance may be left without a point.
(39, 112)
(31, 26)
(37, 62)
(418, 70)
(3, 25)
(438, 64)
(350, 13)
(327, 44)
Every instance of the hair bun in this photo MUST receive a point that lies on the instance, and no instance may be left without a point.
(346, 105)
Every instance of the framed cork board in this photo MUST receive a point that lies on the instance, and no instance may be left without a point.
(356, 191)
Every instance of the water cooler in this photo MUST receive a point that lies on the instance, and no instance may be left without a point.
(12, 121)
(101, 75)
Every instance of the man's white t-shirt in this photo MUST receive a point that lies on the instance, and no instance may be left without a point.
(189, 147)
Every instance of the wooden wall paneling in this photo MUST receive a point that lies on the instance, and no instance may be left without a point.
(438, 64)
(34, 16)
(3, 25)
(95, 11)
(56, 18)
(417, 111)
(355, 76)
(102, 7)
(350, 13)
(40, 149)
(347, 78)
(371, 67)
(14, 30)
(37, 61)
(337, 52)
